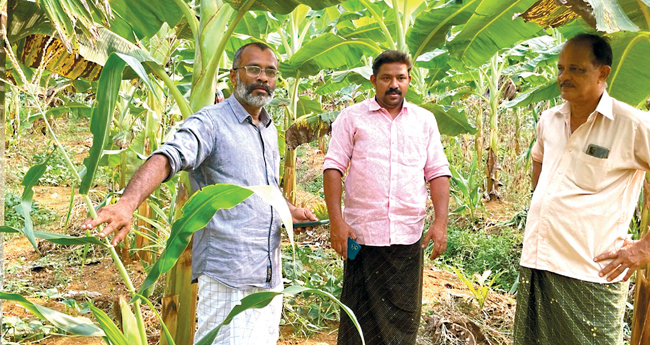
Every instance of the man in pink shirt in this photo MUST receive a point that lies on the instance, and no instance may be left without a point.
(390, 150)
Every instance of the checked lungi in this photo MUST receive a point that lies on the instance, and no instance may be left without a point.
(558, 310)
(383, 287)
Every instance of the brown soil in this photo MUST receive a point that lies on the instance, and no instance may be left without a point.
(446, 300)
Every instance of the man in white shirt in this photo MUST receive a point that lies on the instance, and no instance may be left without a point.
(589, 163)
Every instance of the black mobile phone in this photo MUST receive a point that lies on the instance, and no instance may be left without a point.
(314, 223)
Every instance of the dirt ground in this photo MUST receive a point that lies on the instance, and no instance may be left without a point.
(444, 295)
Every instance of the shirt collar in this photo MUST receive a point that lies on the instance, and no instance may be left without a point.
(604, 107)
(374, 106)
(241, 114)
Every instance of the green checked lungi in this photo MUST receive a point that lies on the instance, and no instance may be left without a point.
(557, 310)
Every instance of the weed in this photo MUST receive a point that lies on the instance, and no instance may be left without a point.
(16, 330)
(318, 269)
(478, 251)
(57, 173)
(40, 216)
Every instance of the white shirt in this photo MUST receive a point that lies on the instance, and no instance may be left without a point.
(582, 205)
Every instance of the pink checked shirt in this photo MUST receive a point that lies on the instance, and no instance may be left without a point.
(390, 162)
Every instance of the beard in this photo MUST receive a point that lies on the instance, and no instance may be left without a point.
(245, 93)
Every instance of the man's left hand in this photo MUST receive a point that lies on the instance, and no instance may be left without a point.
(437, 233)
(632, 255)
(300, 214)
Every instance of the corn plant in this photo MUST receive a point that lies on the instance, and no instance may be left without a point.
(467, 191)
(480, 293)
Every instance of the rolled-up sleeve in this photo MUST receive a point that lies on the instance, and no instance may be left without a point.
(437, 164)
(191, 144)
(341, 145)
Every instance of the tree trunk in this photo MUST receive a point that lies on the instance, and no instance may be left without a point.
(179, 302)
(289, 176)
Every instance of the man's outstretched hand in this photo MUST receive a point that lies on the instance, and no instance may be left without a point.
(118, 217)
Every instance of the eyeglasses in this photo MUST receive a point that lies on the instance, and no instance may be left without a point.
(254, 71)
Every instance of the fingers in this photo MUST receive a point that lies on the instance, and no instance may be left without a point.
(619, 270)
(121, 234)
(341, 249)
(309, 214)
(427, 239)
(606, 256)
(628, 275)
(90, 223)
(609, 268)
(438, 248)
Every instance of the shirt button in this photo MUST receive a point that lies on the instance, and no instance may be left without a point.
(570, 150)
(560, 172)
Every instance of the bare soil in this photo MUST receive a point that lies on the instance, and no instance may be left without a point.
(448, 307)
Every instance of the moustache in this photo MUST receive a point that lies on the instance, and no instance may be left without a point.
(565, 83)
(263, 86)
(396, 91)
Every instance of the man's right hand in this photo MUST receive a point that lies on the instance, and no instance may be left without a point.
(118, 216)
(340, 231)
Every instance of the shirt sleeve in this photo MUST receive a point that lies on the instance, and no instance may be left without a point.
(436, 164)
(642, 143)
(341, 144)
(537, 152)
(191, 144)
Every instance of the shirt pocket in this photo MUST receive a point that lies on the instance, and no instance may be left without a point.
(588, 172)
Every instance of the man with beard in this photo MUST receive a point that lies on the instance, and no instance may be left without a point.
(238, 252)
(589, 162)
(391, 150)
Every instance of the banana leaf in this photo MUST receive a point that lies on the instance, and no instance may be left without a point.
(308, 105)
(340, 79)
(137, 20)
(546, 91)
(328, 51)
(629, 80)
(610, 17)
(283, 6)
(430, 28)
(451, 121)
(74, 325)
(491, 29)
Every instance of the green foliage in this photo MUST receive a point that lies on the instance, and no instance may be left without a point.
(466, 191)
(40, 216)
(480, 293)
(316, 269)
(74, 325)
(57, 172)
(16, 330)
(479, 251)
